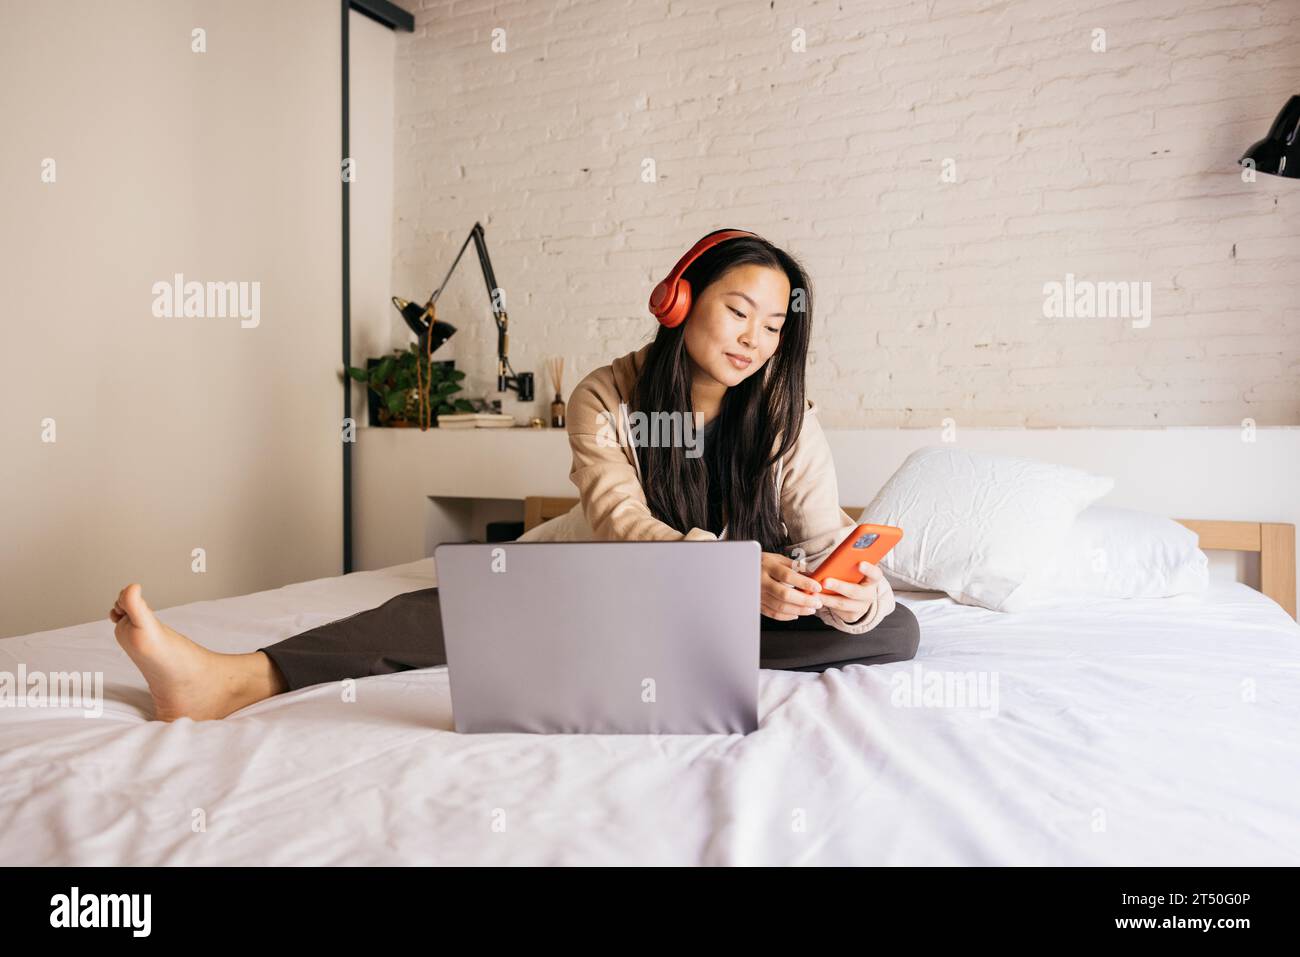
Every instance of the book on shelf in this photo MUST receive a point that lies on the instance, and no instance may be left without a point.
(476, 420)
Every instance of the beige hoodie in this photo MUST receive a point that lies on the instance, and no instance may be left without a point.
(608, 476)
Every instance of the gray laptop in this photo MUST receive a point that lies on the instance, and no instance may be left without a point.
(602, 637)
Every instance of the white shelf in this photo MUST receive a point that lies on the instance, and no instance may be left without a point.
(412, 489)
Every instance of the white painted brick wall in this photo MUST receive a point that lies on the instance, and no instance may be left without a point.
(1114, 166)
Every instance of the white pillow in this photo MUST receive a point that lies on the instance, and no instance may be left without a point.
(572, 526)
(977, 525)
(1120, 553)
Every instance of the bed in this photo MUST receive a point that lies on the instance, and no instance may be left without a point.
(1123, 732)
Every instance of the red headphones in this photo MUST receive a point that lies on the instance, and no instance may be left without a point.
(671, 300)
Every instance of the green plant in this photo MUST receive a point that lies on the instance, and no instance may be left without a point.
(411, 388)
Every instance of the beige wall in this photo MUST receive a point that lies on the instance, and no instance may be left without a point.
(1112, 166)
(376, 325)
(172, 433)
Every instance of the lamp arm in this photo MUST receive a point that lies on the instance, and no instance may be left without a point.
(507, 378)
(454, 263)
(485, 261)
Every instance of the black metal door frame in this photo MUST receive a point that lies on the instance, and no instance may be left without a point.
(395, 18)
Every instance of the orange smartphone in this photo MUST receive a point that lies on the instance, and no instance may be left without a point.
(866, 543)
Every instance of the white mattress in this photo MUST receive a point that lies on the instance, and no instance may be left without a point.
(1143, 732)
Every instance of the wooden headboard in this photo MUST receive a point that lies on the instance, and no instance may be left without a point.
(1274, 542)
(538, 509)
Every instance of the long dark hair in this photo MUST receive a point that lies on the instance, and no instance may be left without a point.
(753, 414)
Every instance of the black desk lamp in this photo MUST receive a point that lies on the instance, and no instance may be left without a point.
(1279, 152)
(433, 332)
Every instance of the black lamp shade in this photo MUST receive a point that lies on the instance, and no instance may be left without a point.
(441, 332)
(1279, 152)
(417, 317)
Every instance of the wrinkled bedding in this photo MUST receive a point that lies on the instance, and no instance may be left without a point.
(1157, 731)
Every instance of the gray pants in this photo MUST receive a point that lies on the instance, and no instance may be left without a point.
(405, 632)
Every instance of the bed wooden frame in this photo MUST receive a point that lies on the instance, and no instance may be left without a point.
(1274, 542)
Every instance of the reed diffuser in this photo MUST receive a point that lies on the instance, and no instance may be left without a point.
(555, 369)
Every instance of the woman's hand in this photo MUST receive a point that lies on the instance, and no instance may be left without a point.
(857, 599)
(784, 592)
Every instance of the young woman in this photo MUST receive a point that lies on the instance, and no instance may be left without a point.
(732, 343)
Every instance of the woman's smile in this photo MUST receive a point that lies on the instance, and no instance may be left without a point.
(739, 361)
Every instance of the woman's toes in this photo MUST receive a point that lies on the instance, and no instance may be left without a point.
(132, 602)
(185, 679)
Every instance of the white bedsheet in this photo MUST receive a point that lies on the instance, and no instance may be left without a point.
(1142, 732)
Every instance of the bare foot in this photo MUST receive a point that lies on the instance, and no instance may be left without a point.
(186, 679)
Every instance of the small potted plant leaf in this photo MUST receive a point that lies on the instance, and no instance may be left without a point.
(408, 389)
